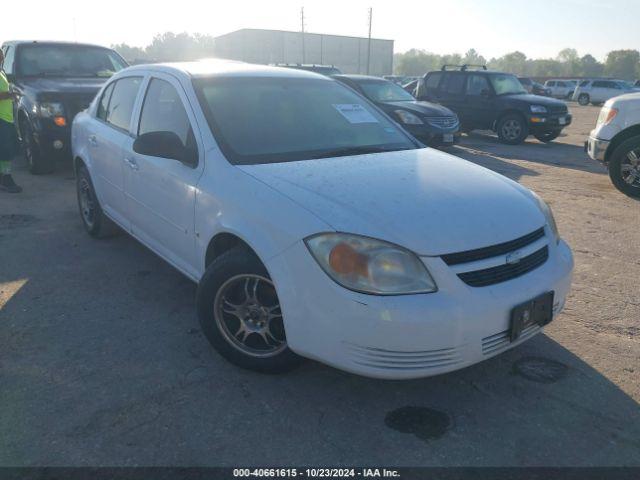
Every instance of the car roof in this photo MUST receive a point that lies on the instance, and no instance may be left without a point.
(223, 68)
(51, 42)
(356, 78)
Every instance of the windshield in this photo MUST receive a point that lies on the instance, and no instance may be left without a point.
(272, 120)
(385, 91)
(68, 61)
(505, 84)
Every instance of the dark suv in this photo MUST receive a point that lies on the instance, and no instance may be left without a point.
(488, 100)
(54, 82)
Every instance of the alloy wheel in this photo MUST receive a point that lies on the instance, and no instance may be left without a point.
(630, 168)
(247, 313)
(87, 204)
(512, 129)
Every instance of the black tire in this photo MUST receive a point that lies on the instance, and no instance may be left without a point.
(583, 99)
(512, 129)
(622, 159)
(234, 266)
(95, 222)
(547, 137)
(37, 163)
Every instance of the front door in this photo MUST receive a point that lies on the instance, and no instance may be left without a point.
(161, 192)
(479, 98)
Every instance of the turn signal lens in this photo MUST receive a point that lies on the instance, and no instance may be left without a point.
(60, 121)
(370, 266)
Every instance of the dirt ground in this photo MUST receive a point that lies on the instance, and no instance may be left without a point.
(102, 361)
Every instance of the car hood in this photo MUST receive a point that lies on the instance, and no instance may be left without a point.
(85, 86)
(531, 99)
(426, 109)
(425, 200)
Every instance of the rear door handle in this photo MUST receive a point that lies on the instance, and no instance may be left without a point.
(133, 165)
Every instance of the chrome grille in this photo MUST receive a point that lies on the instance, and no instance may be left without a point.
(442, 122)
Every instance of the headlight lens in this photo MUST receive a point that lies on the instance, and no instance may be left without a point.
(50, 110)
(551, 221)
(607, 114)
(538, 109)
(370, 266)
(408, 117)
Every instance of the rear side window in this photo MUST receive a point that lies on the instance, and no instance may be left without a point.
(453, 83)
(104, 103)
(433, 80)
(562, 84)
(122, 100)
(163, 111)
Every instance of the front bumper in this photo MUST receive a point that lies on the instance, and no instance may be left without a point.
(52, 140)
(596, 148)
(549, 122)
(435, 137)
(410, 336)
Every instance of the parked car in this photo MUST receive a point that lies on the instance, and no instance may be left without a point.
(561, 88)
(534, 87)
(411, 87)
(328, 232)
(327, 70)
(616, 142)
(596, 92)
(54, 82)
(430, 123)
(637, 83)
(489, 100)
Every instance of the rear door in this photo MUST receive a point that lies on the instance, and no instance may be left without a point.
(109, 132)
(600, 91)
(161, 191)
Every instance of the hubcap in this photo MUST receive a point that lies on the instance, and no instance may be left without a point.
(511, 129)
(87, 205)
(247, 312)
(630, 168)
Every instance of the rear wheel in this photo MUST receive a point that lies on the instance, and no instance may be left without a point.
(512, 129)
(547, 137)
(624, 167)
(93, 218)
(38, 164)
(583, 99)
(240, 314)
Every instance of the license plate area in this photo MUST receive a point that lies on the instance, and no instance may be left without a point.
(538, 311)
(562, 121)
(447, 138)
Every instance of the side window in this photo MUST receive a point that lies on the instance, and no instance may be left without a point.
(433, 80)
(600, 84)
(476, 84)
(163, 111)
(104, 103)
(122, 100)
(584, 83)
(453, 83)
(551, 84)
(9, 55)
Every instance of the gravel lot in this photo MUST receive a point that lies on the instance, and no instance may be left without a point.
(102, 361)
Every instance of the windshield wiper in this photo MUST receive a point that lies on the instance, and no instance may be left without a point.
(363, 150)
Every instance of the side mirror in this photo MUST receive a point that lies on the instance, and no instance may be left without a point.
(165, 145)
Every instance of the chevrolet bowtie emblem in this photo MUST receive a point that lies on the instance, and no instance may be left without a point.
(514, 258)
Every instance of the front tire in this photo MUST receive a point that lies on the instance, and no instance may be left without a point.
(583, 99)
(624, 167)
(93, 218)
(512, 129)
(37, 163)
(547, 137)
(239, 313)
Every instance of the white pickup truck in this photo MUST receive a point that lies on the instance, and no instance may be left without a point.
(616, 142)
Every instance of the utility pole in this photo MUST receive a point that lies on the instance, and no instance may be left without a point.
(369, 42)
(302, 30)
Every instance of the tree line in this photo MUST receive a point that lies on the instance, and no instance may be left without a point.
(621, 64)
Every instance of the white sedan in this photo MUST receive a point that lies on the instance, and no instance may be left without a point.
(314, 225)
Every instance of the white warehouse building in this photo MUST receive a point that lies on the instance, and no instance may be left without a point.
(349, 54)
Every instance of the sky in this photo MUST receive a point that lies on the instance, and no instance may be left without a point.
(539, 28)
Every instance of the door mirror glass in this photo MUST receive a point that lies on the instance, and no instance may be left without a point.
(165, 145)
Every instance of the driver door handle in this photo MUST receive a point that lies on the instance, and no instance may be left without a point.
(93, 141)
(133, 165)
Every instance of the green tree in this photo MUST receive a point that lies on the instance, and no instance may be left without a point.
(622, 64)
(130, 54)
(569, 61)
(472, 57)
(590, 67)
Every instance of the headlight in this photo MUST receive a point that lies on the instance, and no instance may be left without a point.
(538, 109)
(370, 266)
(607, 114)
(408, 117)
(551, 221)
(50, 110)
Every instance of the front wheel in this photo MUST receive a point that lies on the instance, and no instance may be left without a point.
(583, 99)
(624, 167)
(239, 312)
(512, 129)
(547, 137)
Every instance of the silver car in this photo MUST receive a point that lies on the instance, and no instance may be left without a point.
(596, 92)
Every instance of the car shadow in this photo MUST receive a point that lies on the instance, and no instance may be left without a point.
(103, 363)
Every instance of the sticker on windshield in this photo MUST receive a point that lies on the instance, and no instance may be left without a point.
(355, 113)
